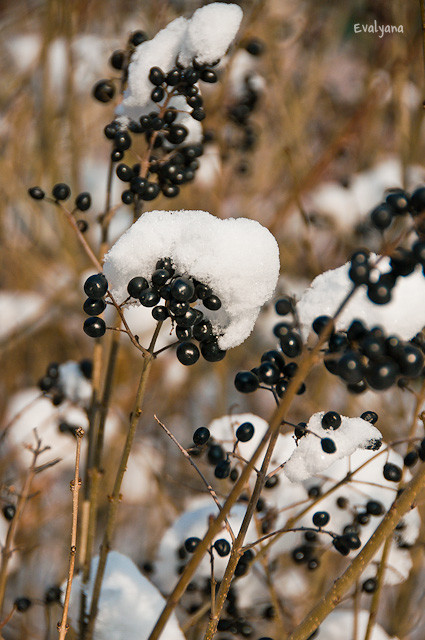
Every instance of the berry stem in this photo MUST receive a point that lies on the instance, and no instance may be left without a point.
(373, 611)
(75, 488)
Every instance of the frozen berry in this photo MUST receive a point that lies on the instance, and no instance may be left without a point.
(177, 133)
(411, 361)
(160, 277)
(201, 436)
(246, 382)
(156, 76)
(188, 319)
(331, 420)
(282, 387)
(211, 352)
(382, 374)
(212, 302)
(321, 518)
(61, 191)
(36, 193)
(122, 141)
(392, 472)
(157, 94)
(283, 306)
(398, 201)
(117, 155)
(222, 470)
(291, 344)
(22, 604)
(369, 585)
(203, 330)
(52, 594)
(191, 543)
(160, 313)
(124, 172)
(275, 357)
(9, 511)
(374, 508)
(83, 201)
(321, 323)
(328, 445)
(198, 114)
(245, 431)
(182, 289)
(149, 297)
(382, 216)
(187, 353)
(183, 334)
(117, 59)
(222, 547)
(268, 373)
(370, 416)
(136, 286)
(138, 37)
(170, 190)
(104, 90)
(352, 540)
(96, 286)
(350, 367)
(94, 307)
(94, 327)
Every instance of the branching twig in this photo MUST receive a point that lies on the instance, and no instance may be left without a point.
(75, 488)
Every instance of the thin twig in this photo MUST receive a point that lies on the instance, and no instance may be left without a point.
(199, 472)
(75, 488)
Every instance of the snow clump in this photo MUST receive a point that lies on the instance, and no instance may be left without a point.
(309, 458)
(237, 258)
(404, 315)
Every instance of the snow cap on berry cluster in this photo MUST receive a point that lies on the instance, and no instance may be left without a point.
(237, 258)
(404, 315)
(309, 458)
(204, 37)
(129, 605)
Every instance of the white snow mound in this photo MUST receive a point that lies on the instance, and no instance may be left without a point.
(129, 604)
(238, 258)
(339, 625)
(206, 37)
(309, 458)
(404, 315)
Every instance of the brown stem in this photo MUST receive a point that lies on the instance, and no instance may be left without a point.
(75, 488)
(114, 499)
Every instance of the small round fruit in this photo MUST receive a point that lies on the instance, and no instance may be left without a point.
(246, 382)
(283, 306)
(341, 545)
(157, 94)
(9, 511)
(182, 289)
(392, 472)
(117, 59)
(321, 323)
(212, 302)
(138, 37)
(83, 201)
(61, 191)
(104, 90)
(331, 420)
(268, 373)
(156, 76)
(136, 286)
(94, 307)
(215, 453)
(222, 470)
(369, 585)
(275, 357)
(149, 297)
(36, 193)
(96, 286)
(210, 350)
(201, 436)
(187, 353)
(410, 458)
(222, 547)
(350, 367)
(190, 544)
(124, 172)
(321, 518)
(22, 604)
(52, 594)
(291, 344)
(160, 313)
(382, 217)
(245, 431)
(374, 508)
(203, 330)
(328, 445)
(94, 327)
(370, 416)
(160, 277)
(122, 140)
(382, 374)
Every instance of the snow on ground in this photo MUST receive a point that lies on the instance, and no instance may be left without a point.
(129, 604)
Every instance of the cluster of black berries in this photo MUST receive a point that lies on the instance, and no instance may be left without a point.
(274, 373)
(95, 287)
(51, 595)
(400, 203)
(380, 285)
(61, 191)
(367, 358)
(216, 455)
(50, 382)
(175, 169)
(241, 110)
(179, 293)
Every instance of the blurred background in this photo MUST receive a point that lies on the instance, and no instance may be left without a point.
(338, 119)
